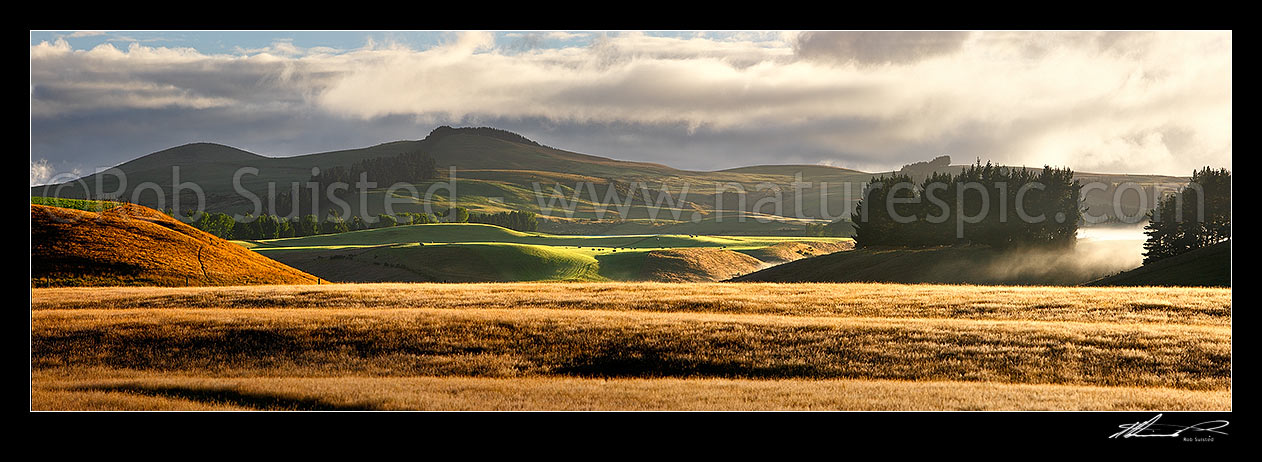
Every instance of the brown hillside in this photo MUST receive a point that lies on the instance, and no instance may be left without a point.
(791, 251)
(698, 265)
(135, 245)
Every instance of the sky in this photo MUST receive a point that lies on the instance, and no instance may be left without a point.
(1154, 102)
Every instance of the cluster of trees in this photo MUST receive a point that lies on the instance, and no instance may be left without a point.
(839, 228)
(454, 215)
(1196, 216)
(447, 130)
(356, 223)
(520, 221)
(411, 167)
(983, 204)
(251, 227)
(274, 227)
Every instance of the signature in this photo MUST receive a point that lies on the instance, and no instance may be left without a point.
(1150, 428)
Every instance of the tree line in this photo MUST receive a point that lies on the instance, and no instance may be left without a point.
(517, 220)
(1199, 215)
(839, 228)
(446, 130)
(983, 204)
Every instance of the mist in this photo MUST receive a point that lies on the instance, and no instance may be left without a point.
(1099, 252)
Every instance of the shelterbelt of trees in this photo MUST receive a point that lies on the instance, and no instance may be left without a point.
(1196, 216)
(983, 204)
(1006, 207)
(274, 227)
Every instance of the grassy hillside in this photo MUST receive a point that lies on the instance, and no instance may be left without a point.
(212, 167)
(632, 346)
(1084, 262)
(477, 232)
(135, 245)
(728, 225)
(470, 262)
(1209, 266)
(466, 252)
(498, 171)
(695, 265)
(77, 204)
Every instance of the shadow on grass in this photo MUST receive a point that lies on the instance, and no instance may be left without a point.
(626, 362)
(228, 396)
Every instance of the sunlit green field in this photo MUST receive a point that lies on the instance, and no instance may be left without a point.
(467, 252)
(77, 204)
(475, 232)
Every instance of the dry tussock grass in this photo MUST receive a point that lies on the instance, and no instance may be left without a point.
(135, 245)
(697, 265)
(1156, 305)
(164, 392)
(530, 342)
(631, 346)
(791, 251)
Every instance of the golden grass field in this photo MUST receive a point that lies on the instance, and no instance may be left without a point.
(631, 346)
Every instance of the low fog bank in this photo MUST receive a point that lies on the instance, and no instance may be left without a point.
(1099, 252)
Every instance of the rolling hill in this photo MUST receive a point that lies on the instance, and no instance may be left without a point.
(971, 264)
(698, 265)
(212, 166)
(470, 252)
(135, 245)
(1207, 266)
(497, 171)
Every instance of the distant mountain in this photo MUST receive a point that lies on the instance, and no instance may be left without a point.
(212, 166)
(191, 154)
(812, 171)
(497, 170)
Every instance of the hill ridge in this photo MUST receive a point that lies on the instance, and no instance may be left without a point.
(196, 153)
(501, 174)
(136, 245)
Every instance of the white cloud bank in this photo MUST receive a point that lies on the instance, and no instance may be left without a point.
(1157, 102)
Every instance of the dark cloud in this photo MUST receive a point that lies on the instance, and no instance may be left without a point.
(100, 140)
(73, 83)
(1124, 41)
(525, 42)
(876, 47)
(709, 150)
(103, 139)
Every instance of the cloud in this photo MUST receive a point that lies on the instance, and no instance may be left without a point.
(1158, 102)
(105, 78)
(560, 35)
(526, 41)
(279, 48)
(41, 172)
(877, 47)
